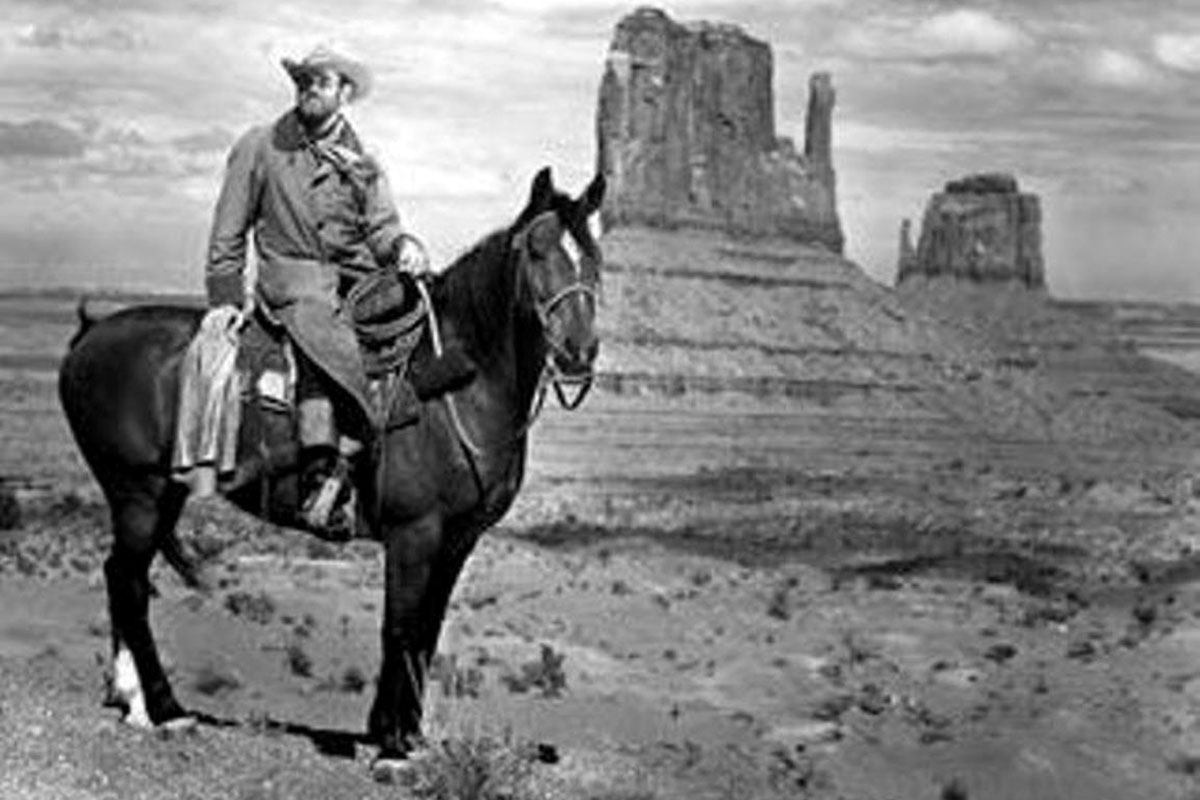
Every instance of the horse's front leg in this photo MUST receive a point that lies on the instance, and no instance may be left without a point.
(395, 721)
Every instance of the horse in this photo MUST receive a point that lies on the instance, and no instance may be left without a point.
(521, 305)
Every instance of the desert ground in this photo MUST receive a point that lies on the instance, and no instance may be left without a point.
(727, 596)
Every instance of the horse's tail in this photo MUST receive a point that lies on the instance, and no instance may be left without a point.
(86, 321)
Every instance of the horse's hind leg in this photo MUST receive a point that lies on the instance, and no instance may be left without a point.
(139, 519)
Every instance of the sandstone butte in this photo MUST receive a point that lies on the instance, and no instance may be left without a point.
(980, 228)
(687, 136)
(724, 280)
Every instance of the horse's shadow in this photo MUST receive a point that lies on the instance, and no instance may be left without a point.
(334, 743)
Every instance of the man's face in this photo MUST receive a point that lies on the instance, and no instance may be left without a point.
(319, 94)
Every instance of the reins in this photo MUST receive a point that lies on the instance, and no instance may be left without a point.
(551, 374)
(435, 334)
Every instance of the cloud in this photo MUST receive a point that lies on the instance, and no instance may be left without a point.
(954, 35)
(126, 161)
(47, 158)
(81, 34)
(1120, 70)
(40, 138)
(209, 141)
(126, 6)
(967, 33)
(1180, 52)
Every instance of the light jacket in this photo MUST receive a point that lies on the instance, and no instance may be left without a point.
(320, 212)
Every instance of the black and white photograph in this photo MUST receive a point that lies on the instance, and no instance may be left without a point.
(589, 400)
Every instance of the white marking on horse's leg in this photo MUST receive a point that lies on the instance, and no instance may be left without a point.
(401, 772)
(128, 687)
(178, 725)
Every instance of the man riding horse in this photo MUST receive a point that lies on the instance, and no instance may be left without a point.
(322, 219)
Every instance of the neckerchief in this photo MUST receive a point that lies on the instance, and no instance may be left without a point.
(341, 150)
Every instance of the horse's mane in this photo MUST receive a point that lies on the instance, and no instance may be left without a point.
(473, 289)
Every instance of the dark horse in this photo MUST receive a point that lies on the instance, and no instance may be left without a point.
(520, 304)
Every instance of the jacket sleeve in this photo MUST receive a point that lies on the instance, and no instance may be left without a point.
(383, 221)
(236, 208)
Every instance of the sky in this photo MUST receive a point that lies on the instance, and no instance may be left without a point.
(116, 117)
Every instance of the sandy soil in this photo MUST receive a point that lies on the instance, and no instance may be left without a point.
(733, 598)
(1002, 638)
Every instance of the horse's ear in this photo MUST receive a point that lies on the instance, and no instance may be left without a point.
(543, 189)
(593, 195)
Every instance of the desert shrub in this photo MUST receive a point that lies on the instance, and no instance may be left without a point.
(546, 674)
(954, 790)
(211, 680)
(299, 662)
(68, 504)
(353, 681)
(208, 543)
(474, 768)
(456, 680)
(258, 608)
(321, 550)
(10, 510)
(305, 627)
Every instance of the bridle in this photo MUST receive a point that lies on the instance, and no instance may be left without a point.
(552, 375)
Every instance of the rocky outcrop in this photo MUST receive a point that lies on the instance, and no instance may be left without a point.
(686, 128)
(982, 229)
(908, 253)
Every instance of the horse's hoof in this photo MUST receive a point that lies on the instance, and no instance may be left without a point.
(394, 771)
(137, 719)
(177, 726)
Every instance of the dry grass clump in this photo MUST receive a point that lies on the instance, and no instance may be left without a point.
(456, 680)
(258, 608)
(10, 509)
(299, 662)
(211, 680)
(60, 535)
(546, 675)
(353, 680)
(476, 767)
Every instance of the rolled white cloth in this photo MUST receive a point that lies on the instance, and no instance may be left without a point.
(206, 430)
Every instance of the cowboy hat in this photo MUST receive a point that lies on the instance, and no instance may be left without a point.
(354, 72)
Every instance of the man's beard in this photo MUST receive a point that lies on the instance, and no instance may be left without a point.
(315, 113)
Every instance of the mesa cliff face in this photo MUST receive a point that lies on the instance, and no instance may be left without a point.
(724, 287)
(686, 128)
(981, 229)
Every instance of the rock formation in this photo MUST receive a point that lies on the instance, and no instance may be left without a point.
(686, 128)
(983, 229)
(908, 253)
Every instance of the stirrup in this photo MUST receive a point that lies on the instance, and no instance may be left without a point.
(324, 515)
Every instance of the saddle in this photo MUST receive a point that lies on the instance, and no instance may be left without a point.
(390, 320)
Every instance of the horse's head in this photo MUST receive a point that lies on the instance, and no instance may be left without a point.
(560, 271)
